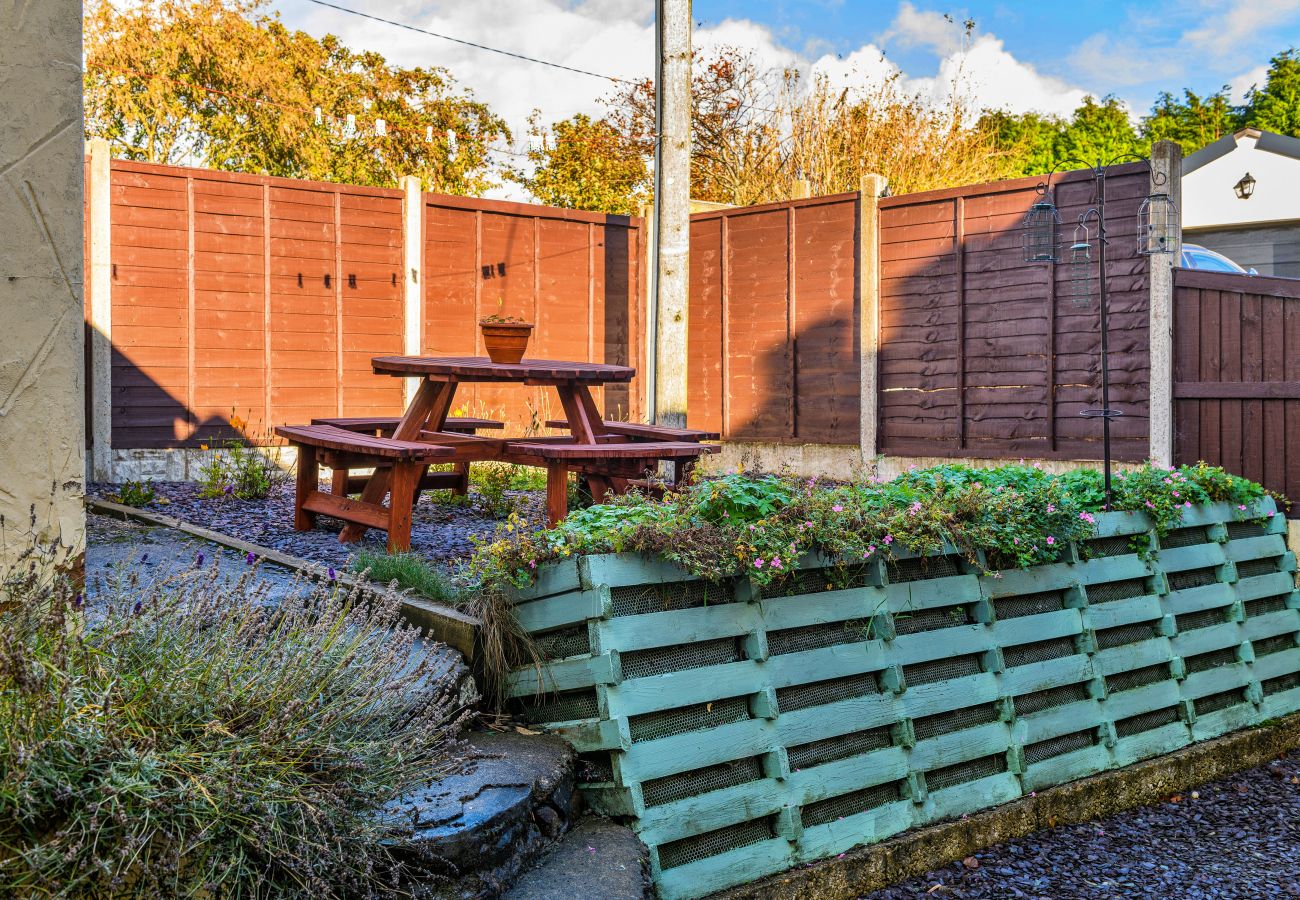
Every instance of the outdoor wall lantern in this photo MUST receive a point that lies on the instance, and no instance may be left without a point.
(1157, 232)
(1244, 188)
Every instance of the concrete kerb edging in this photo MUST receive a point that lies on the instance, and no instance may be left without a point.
(877, 866)
(441, 623)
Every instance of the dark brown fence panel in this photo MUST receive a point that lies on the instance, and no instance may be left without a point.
(574, 274)
(1237, 375)
(984, 355)
(773, 347)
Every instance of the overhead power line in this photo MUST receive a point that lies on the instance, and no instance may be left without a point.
(477, 46)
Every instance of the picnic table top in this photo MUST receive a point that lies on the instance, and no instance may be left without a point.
(480, 368)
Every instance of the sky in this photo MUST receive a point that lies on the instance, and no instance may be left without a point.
(1041, 56)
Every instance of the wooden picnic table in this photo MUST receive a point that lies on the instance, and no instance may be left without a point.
(611, 455)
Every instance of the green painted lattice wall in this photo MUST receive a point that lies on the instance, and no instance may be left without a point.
(744, 730)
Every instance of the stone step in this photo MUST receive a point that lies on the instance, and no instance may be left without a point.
(476, 832)
(597, 860)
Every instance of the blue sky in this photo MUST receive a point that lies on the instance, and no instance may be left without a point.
(1021, 55)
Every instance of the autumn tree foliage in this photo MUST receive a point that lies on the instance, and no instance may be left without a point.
(226, 85)
(584, 163)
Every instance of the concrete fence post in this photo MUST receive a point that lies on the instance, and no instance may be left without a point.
(869, 191)
(413, 260)
(100, 266)
(802, 189)
(1167, 178)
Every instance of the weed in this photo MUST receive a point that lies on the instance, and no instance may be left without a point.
(407, 570)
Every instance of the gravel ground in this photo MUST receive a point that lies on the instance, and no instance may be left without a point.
(1236, 839)
(441, 532)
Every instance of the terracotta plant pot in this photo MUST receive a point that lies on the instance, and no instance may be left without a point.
(506, 342)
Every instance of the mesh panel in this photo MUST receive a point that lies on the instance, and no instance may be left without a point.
(956, 720)
(817, 753)
(698, 717)
(913, 621)
(1146, 722)
(595, 767)
(1110, 546)
(961, 773)
(1205, 661)
(639, 599)
(1135, 678)
(1275, 644)
(564, 707)
(814, 637)
(922, 567)
(660, 660)
(941, 669)
(1221, 700)
(1265, 605)
(1192, 578)
(1037, 652)
(803, 696)
(1066, 743)
(1252, 567)
(1184, 537)
(1029, 604)
(701, 781)
(834, 808)
(1203, 619)
(811, 581)
(1281, 683)
(1125, 634)
(561, 644)
(1038, 701)
(1117, 590)
(1238, 530)
(711, 843)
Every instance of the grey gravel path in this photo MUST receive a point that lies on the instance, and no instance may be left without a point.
(440, 532)
(1235, 839)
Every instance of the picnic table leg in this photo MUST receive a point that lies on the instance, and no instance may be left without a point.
(339, 482)
(430, 404)
(462, 489)
(405, 486)
(308, 480)
(557, 492)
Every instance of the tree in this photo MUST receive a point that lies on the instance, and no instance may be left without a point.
(585, 163)
(217, 80)
(1098, 131)
(1028, 139)
(1276, 106)
(1193, 122)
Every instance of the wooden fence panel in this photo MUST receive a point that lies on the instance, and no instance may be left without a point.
(984, 355)
(575, 274)
(1237, 375)
(774, 304)
(266, 298)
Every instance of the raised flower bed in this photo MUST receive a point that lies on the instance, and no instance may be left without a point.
(749, 724)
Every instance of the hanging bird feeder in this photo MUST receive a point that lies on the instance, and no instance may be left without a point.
(1157, 225)
(1038, 231)
(1082, 268)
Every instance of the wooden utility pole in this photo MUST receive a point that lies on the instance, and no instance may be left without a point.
(672, 209)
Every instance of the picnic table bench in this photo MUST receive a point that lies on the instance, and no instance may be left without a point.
(611, 455)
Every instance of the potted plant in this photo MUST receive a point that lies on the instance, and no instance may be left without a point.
(505, 337)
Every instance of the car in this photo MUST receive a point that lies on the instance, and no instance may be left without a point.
(1197, 257)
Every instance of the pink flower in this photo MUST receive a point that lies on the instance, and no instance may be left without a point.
(1242, 507)
(1187, 503)
(776, 562)
(889, 539)
(1016, 541)
(1270, 515)
(916, 507)
(758, 564)
(837, 508)
(1050, 540)
(1051, 508)
(870, 550)
(807, 524)
(1175, 493)
(1088, 517)
(1150, 505)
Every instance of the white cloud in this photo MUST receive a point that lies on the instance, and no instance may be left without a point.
(913, 27)
(1235, 25)
(1238, 87)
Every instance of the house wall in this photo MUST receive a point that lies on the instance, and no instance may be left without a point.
(1210, 202)
(41, 376)
(1270, 249)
